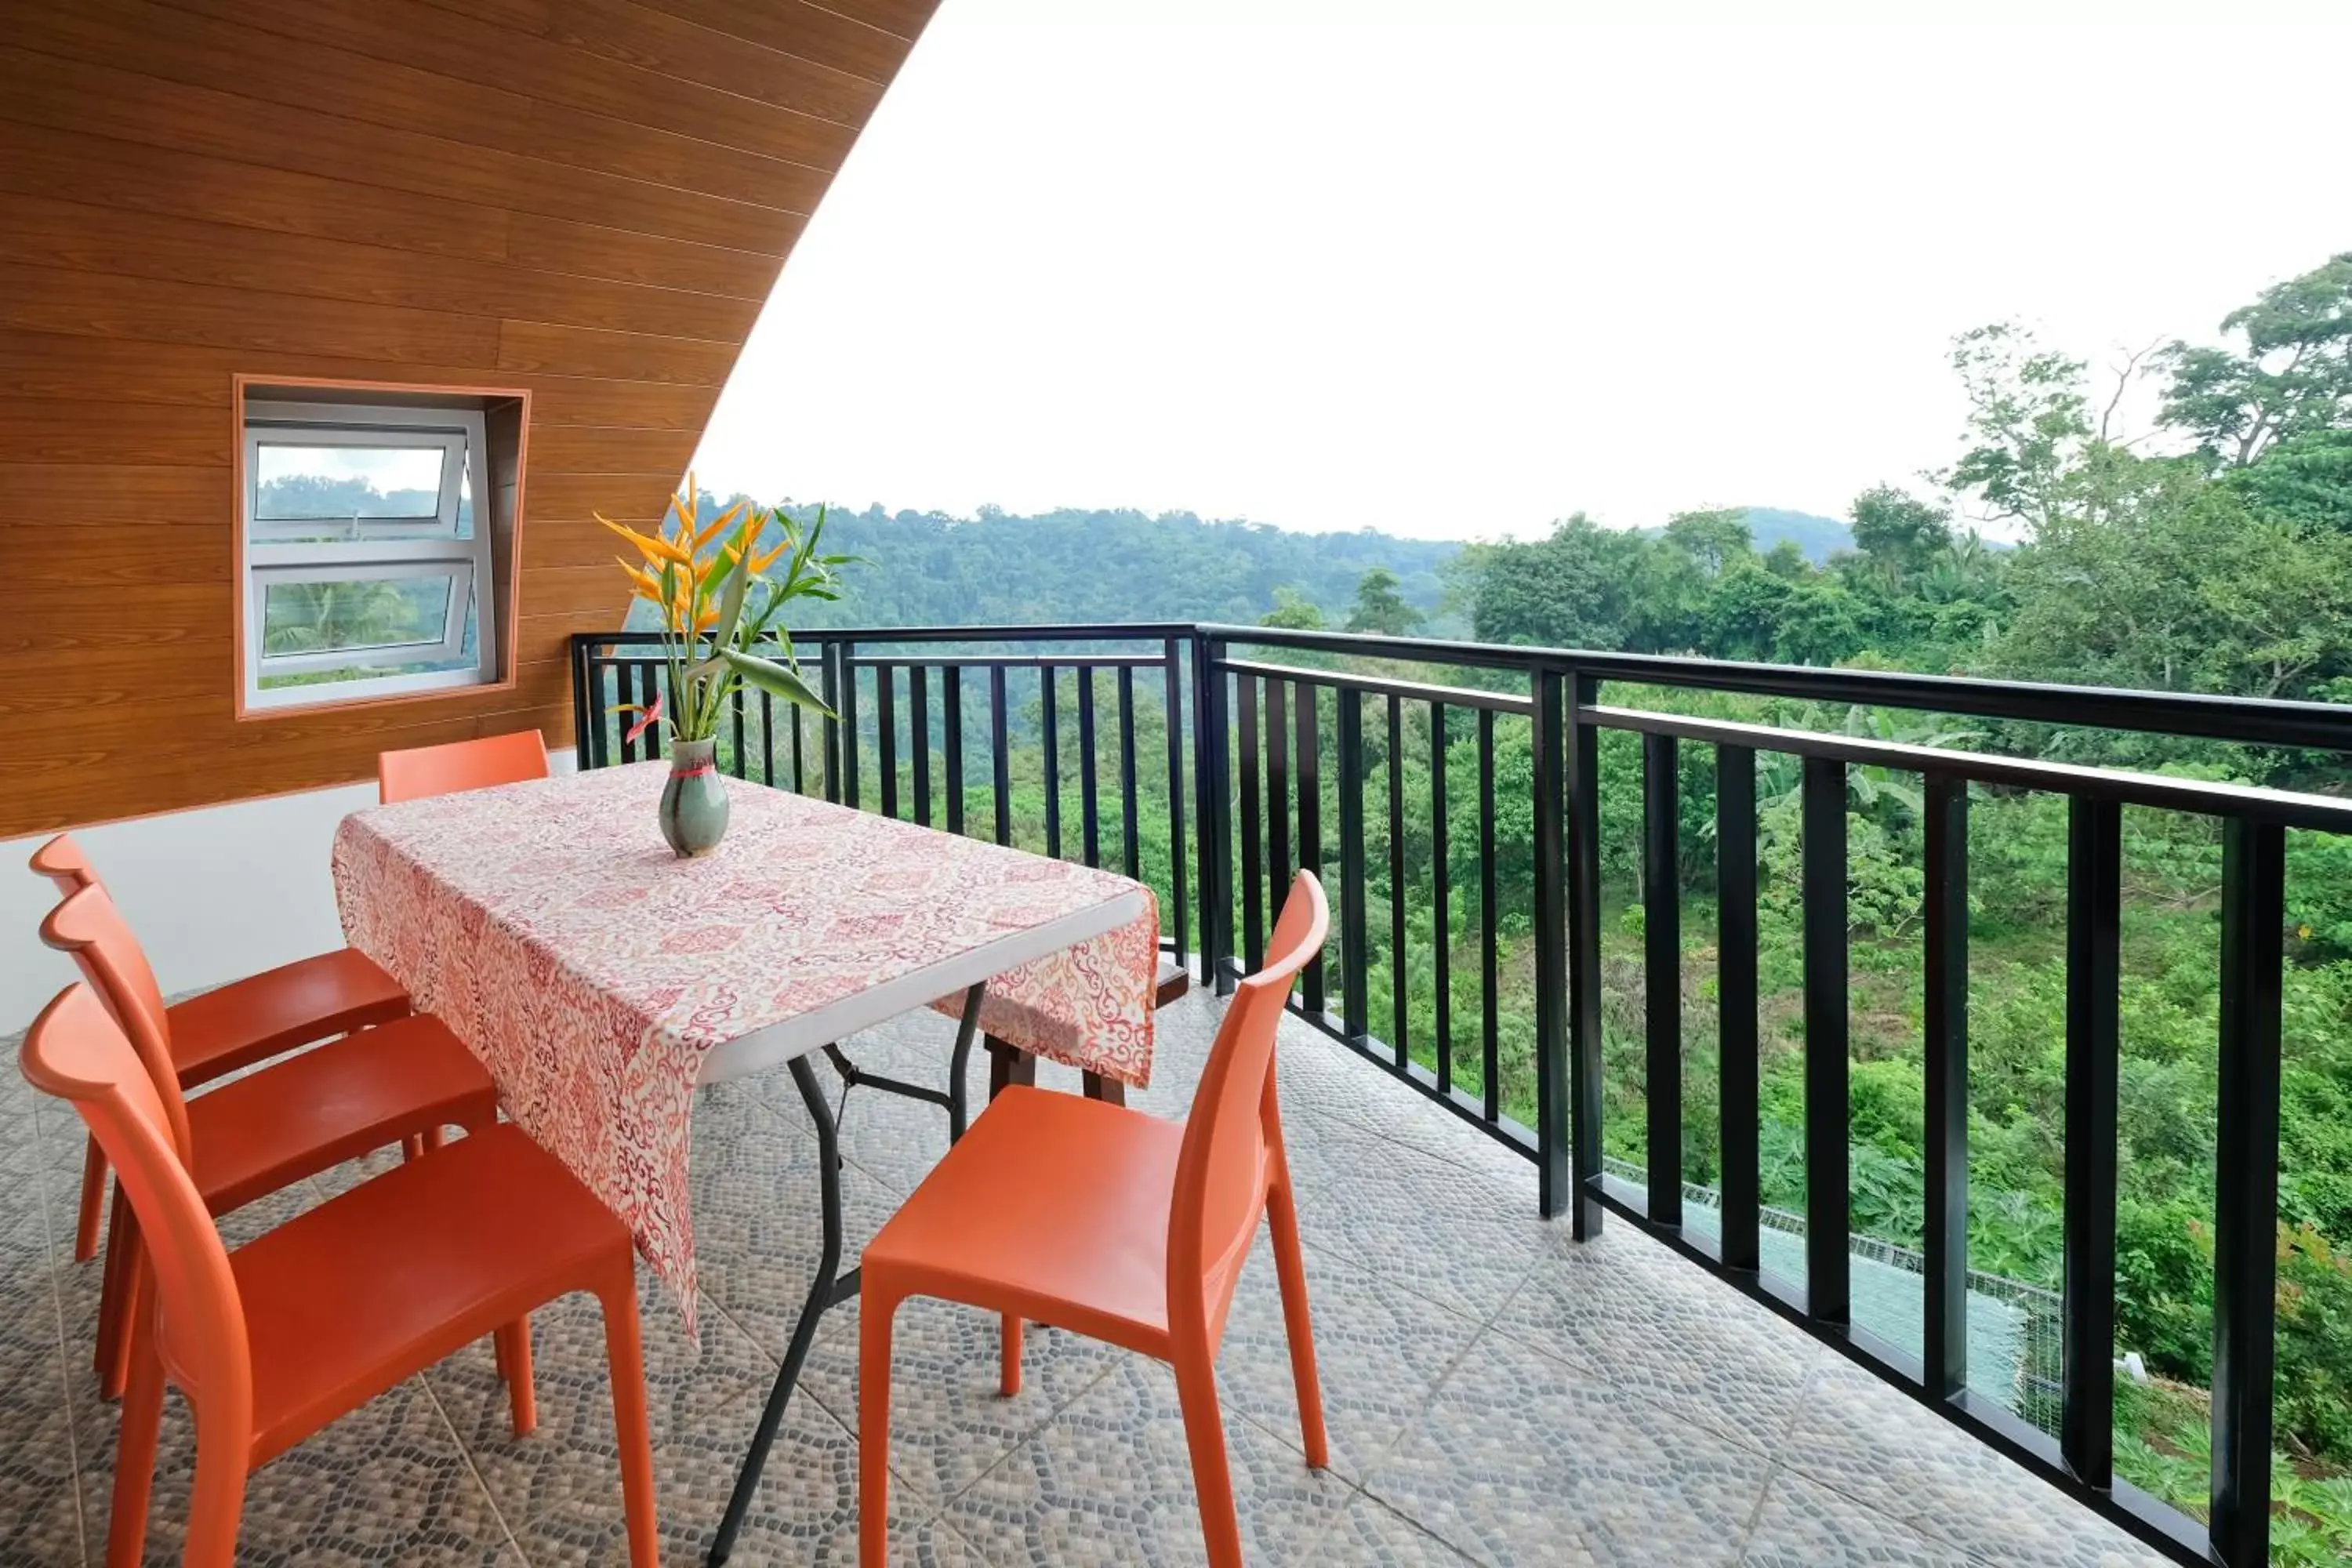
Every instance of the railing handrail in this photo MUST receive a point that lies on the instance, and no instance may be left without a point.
(2259, 720)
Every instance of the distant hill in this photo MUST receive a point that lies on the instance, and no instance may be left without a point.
(1818, 537)
(999, 568)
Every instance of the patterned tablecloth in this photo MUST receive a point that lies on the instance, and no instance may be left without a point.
(591, 970)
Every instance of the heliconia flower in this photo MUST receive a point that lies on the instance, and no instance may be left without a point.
(719, 525)
(759, 563)
(647, 717)
(656, 549)
(644, 584)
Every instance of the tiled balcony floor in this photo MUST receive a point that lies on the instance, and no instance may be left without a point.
(1496, 1394)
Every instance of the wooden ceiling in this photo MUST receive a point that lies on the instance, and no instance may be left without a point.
(587, 198)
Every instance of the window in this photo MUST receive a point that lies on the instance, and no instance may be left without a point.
(368, 564)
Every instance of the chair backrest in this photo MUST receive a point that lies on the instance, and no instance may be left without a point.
(78, 1053)
(1220, 1172)
(421, 770)
(62, 862)
(89, 926)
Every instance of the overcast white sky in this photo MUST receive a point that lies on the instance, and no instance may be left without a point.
(1457, 267)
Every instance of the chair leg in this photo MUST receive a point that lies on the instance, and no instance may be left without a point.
(134, 1456)
(412, 1147)
(430, 1139)
(513, 1342)
(625, 1364)
(127, 1279)
(93, 1198)
(1290, 1273)
(1204, 1434)
(1008, 1376)
(224, 1453)
(876, 1315)
(112, 1278)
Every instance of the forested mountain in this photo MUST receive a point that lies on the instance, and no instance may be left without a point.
(999, 568)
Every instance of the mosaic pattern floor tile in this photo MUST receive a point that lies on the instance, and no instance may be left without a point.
(1495, 1394)
(1522, 1458)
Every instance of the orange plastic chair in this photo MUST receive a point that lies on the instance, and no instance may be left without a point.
(404, 1079)
(1114, 1224)
(236, 1025)
(274, 1340)
(421, 770)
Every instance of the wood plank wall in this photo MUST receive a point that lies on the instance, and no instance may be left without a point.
(590, 198)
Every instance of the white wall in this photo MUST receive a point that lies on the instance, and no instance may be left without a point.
(214, 893)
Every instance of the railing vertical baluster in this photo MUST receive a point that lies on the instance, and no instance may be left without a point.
(597, 735)
(768, 739)
(1828, 1268)
(850, 745)
(1440, 889)
(1555, 1181)
(581, 665)
(829, 730)
(1584, 956)
(1050, 720)
(919, 737)
(1278, 863)
(1945, 1016)
(1661, 961)
(742, 759)
(2093, 965)
(652, 680)
(1213, 767)
(1735, 986)
(1253, 827)
(1397, 989)
(1000, 754)
(1310, 825)
(1089, 784)
(2254, 908)
(1172, 667)
(1490, 1072)
(626, 680)
(1354, 1000)
(1130, 852)
(886, 724)
(951, 742)
(800, 769)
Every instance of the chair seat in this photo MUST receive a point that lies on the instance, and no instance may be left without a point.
(1051, 1206)
(343, 1302)
(313, 1111)
(265, 1014)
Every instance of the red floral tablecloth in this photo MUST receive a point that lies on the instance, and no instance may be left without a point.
(591, 970)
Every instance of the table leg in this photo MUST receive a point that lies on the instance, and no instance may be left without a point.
(827, 1289)
(1008, 1064)
(831, 1286)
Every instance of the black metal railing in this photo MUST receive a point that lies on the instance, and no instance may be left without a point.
(1252, 702)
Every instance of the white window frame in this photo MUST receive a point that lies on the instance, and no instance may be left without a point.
(373, 549)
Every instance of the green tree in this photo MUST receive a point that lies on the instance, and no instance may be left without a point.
(2289, 375)
(1899, 534)
(1379, 607)
(1716, 539)
(1294, 611)
(2028, 422)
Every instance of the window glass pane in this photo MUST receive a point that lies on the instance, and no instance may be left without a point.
(293, 483)
(369, 613)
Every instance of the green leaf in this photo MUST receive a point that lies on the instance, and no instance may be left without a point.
(775, 680)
